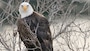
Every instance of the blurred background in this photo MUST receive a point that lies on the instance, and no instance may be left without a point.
(69, 23)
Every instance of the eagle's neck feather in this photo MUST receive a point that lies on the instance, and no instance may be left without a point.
(25, 14)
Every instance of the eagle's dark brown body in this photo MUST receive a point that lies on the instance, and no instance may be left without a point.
(40, 27)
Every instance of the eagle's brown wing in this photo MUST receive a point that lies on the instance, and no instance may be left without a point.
(27, 36)
(44, 35)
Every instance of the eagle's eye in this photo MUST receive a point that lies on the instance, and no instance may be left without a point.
(27, 5)
(21, 5)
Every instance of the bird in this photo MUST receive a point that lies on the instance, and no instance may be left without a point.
(37, 24)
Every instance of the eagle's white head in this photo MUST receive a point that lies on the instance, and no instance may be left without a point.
(25, 9)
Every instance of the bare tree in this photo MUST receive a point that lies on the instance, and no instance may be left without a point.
(69, 22)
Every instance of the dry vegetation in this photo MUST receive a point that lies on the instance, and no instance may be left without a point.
(70, 28)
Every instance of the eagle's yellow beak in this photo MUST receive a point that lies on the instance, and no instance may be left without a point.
(25, 7)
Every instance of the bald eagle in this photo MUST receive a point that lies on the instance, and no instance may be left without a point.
(36, 23)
